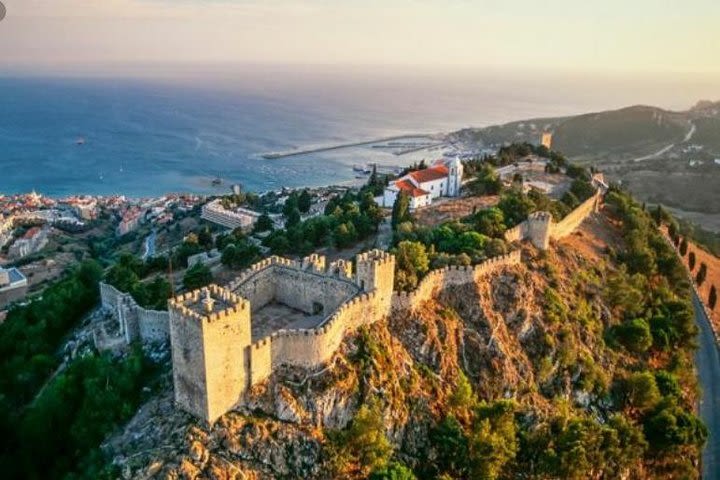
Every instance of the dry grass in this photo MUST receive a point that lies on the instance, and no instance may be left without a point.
(444, 209)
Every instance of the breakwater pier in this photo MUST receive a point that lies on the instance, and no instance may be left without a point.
(305, 151)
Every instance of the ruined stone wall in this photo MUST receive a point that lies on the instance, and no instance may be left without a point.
(440, 279)
(153, 325)
(135, 323)
(110, 297)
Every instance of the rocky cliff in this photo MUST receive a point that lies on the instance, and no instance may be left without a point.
(531, 336)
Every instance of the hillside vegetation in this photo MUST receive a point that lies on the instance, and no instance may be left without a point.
(628, 132)
(575, 364)
(661, 156)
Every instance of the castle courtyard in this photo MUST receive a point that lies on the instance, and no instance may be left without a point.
(276, 316)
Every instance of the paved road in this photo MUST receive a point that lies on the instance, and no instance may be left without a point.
(150, 245)
(707, 360)
(663, 150)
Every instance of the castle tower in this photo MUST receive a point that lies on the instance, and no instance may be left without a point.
(375, 270)
(546, 139)
(539, 226)
(210, 338)
(455, 175)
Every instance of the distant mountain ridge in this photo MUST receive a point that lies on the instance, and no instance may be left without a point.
(663, 156)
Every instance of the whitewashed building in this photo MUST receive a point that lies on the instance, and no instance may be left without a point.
(442, 179)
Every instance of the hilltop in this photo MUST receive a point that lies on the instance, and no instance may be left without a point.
(666, 157)
(549, 367)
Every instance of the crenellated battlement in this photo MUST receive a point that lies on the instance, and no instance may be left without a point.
(442, 278)
(540, 227)
(208, 304)
(216, 358)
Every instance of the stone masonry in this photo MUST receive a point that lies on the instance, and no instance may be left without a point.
(214, 355)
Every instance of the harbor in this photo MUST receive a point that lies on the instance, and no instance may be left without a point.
(404, 147)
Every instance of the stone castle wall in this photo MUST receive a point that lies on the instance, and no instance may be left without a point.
(135, 323)
(443, 278)
(231, 362)
(573, 220)
(540, 228)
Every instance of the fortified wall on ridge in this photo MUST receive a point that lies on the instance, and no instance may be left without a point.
(540, 227)
(278, 312)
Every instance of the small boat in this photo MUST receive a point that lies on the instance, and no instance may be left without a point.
(359, 168)
(80, 141)
(217, 181)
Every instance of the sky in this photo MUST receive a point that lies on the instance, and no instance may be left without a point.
(632, 36)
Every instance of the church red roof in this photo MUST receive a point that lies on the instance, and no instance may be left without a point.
(410, 189)
(430, 174)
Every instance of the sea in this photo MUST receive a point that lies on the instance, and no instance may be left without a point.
(149, 134)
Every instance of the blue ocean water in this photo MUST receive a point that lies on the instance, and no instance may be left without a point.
(150, 136)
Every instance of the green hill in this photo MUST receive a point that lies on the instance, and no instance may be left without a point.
(626, 133)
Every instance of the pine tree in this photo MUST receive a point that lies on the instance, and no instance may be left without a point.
(401, 209)
(691, 261)
(684, 246)
(702, 273)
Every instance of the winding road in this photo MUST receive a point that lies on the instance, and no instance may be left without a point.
(707, 360)
(667, 148)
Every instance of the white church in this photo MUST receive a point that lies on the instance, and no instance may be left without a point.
(442, 179)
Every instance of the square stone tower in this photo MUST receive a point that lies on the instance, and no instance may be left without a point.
(375, 270)
(210, 337)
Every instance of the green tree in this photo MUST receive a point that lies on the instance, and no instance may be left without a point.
(304, 201)
(702, 274)
(635, 335)
(490, 222)
(263, 224)
(683, 246)
(365, 441)
(516, 206)
(640, 391)
(712, 298)
(463, 397)
(393, 471)
(487, 181)
(671, 427)
(493, 441)
(197, 276)
(401, 209)
(411, 262)
(691, 261)
(292, 219)
(451, 447)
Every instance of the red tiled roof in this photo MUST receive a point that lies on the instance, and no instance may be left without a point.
(32, 232)
(410, 189)
(430, 174)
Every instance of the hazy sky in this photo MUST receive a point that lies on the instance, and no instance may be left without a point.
(638, 36)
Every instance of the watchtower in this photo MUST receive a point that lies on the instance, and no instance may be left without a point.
(375, 270)
(539, 225)
(210, 337)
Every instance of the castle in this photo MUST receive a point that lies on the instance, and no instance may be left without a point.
(278, 312)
